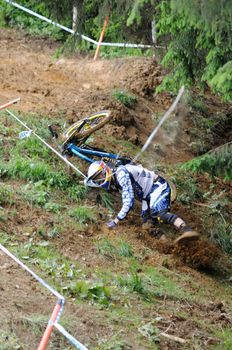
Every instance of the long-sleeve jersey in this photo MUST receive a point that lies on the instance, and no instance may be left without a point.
(135, 182)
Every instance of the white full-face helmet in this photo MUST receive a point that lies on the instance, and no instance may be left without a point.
(99, 175)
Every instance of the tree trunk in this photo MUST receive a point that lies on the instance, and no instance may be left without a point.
(78, 14)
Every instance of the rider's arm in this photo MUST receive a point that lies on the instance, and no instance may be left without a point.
(124, 182)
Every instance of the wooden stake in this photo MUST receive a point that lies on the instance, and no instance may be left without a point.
(101, 38)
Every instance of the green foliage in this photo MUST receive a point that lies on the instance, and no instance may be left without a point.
(16, 17)
(53, 207)
(217, 162)
(113, 344)
(226, 339)
(9, 341)
(222, 234)
(36, 323)
(135, 283)
(199, 105)
(95, 292)
(83, 215)
(199, 46)
(186, 187)
(6, 194)
(105, 247)
(32, 147)
(149, 331)
(74, 192)
(125, 250)
(119, 248)
(221, 82)
(35, 171)
(125, 98)
(106, 199)
(36, 193)
(48, 260)
(115, 52)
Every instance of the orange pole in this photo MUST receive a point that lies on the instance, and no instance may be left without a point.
(9, 103)
(101, 38)
(44, 341)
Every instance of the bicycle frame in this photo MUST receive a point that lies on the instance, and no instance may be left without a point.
(83, 153)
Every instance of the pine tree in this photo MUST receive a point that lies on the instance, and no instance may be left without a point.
(199, 49)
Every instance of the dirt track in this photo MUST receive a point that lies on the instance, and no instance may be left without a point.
(74, 88)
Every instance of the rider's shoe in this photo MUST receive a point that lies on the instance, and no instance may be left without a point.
(188, 235)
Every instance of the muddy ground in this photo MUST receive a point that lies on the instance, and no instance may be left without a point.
(74, 88)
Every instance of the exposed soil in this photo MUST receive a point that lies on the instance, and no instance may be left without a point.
(75, 88)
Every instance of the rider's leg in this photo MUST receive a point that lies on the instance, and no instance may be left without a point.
(160, 206)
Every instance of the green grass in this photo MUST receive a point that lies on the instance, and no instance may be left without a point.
(83, 214)
(9, 341)
(6, 194)
(118, 248)
(125, 98)
(95, 292)
(35, 193)
(187, 187)
(225, 337)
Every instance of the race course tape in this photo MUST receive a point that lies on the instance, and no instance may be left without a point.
(61, 299)
(71, 31)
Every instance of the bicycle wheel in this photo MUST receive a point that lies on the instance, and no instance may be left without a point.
(85, 127)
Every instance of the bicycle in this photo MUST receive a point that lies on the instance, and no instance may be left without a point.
(75, 136)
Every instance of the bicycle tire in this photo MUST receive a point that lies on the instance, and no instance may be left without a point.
(92, 123)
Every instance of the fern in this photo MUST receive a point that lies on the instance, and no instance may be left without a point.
(222, 81)
(217, 162)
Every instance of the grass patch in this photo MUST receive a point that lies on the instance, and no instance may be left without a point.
(106, 200)
(226, 339)
(34, 171)
(124, 98)
(95, 292)
(35, 193)
(9, 341)
(150, 284)
(83, 215)
(120, 248)
(187, 187)
(6, 194)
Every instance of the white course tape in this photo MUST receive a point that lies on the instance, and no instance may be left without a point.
(71, 31)
(39, 279)
(47, 144)
(70, 338)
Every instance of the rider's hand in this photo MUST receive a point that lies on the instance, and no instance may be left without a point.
(112, 224)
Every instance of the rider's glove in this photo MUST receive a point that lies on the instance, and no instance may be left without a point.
(112, 224)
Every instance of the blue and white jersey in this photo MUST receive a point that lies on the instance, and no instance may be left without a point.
(135, 182)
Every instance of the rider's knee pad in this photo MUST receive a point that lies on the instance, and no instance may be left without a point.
(166, 217)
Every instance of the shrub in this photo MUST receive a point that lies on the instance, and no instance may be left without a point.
(217, 162)
(124, 97)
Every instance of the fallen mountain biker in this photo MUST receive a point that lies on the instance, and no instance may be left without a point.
(152, 190)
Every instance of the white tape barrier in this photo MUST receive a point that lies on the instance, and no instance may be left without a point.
(46, 144)
(70, 338)
(40, 280)
(71, 31)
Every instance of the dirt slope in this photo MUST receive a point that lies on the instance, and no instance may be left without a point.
(74, 88)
